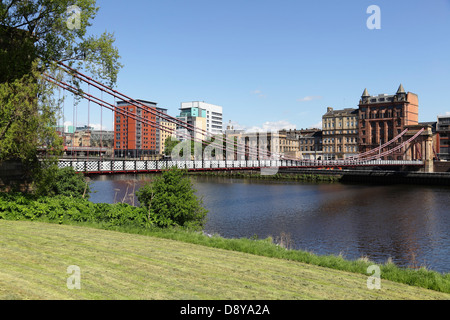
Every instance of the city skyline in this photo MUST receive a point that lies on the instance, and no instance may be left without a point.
(277, 65)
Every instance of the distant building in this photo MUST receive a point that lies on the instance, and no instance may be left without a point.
(102, 138)
(168, 130)
(443, 131)
(340, 134)
(231, 130)
(95, 138)
(383, 117)
(253, 145)
(203, 116)
(134, 138)
(309, 142)
(70, 129)
(194, 126)
(84, 128)
(289, 146)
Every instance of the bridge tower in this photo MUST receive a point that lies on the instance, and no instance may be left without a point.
(422, 147)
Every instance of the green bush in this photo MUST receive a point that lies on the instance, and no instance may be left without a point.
(170, 200)
(62, 208)
(52, 181)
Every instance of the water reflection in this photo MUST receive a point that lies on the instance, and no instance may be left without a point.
(408, 224)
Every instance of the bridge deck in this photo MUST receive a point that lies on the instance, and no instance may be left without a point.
(136, 166)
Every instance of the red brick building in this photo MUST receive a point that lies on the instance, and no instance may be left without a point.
(383, 117)
(133, 138)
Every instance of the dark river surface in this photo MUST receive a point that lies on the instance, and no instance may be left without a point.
(407, 224)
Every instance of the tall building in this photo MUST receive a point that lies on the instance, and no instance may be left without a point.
(383, 117)
(201, 115)
(443, 132)
(340, 133)
(195, 118)
(134, 138)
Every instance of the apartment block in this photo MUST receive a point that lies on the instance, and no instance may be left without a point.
(340, 134)
(194, 125)
(201, 115)
(135, 138)
(383, 117)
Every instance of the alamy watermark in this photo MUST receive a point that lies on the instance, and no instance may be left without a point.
(374, 281)
(374, 21)
(74, 19)
(260, 146)
(74, 280)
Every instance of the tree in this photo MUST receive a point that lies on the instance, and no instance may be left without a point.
(55, 31)
(27, 119)
(169, 144)
(170, 200)
(36, 35)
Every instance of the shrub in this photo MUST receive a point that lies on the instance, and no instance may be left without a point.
(53, 181)
(170, 200)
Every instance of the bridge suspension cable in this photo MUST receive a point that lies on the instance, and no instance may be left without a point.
(157, 113)
(102, 103)
(361, 155)
(125, 113)
(219, 142)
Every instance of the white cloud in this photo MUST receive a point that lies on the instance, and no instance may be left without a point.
(235, 125)
(98, 126)
(316, 126)
(265, 127)
(309, 98)
(259, 93)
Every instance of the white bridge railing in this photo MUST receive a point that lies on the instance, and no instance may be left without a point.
(111, 166)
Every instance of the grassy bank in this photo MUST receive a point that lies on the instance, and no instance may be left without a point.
(132, 220)
(117, 265)
(278, 176)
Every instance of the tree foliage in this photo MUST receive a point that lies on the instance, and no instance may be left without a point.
(53, 181)
(169, 144)
(170, 200)
(48, 25)
(27, 119)
(36, 35)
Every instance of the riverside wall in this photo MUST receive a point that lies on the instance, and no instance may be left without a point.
(12, 176)
(374, 175)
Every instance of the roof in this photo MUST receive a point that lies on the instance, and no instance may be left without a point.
(401, 89)
(139, 100)
(365, 93)
(345, 111)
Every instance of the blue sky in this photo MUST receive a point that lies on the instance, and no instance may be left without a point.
(277, 63)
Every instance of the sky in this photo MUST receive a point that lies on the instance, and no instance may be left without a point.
(276, 64)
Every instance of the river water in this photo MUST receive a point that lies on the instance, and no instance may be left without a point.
(407, 224)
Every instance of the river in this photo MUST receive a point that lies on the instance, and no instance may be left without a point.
(407, 224)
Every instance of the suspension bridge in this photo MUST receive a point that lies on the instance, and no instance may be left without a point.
(228, 154)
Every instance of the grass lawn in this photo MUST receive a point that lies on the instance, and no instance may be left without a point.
(34, 258)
